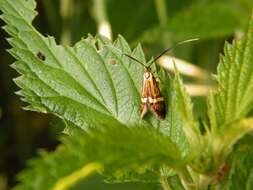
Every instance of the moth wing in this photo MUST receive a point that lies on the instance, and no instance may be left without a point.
(144, 109)
(145, 93)
(154, 89)
(158, 109)
(145, 88)
(157, 106)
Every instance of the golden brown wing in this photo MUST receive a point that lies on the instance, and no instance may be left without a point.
(151, 96)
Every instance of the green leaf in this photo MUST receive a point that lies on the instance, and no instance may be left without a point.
(79, 85)
(240, 175)
(233, 100)
(194, 22)
(67, 82)
(228, 107)
(96, 182)
(182, 115)
(175, 184)
(76, 83)
(118, 149)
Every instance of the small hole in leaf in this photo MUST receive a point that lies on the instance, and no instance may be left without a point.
(41, 56)
(97, 45)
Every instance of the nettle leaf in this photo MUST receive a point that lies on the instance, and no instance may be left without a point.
(76, 83)
(240, 175)
(237, 171)
(118, 149)
(175, 183)
(95, 87)
(234, 99)
(182, 119)
(228, 107)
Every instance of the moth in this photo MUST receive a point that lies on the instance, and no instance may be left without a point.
(151, 97)
(150, 93)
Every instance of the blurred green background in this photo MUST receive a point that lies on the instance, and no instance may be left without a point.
(156, 24)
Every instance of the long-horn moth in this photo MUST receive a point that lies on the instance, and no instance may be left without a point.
(150, 93)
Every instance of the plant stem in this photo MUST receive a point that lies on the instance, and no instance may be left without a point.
(161, 12)
(186, 179)
(163, 20)
(66, 13)
(184, 67)
(165, 183)
(68, 181)
(99, 12)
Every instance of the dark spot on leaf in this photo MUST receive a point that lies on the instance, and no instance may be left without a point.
(41, 56)
(223, 170)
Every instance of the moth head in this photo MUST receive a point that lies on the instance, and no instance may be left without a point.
(147, 74)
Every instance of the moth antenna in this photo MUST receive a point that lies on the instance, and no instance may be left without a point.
(135, 60)
(172, 47)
